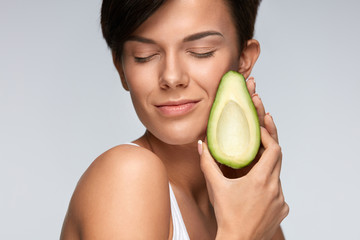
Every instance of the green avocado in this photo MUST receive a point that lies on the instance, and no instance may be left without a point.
(233, 132)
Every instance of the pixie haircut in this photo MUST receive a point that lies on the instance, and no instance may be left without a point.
(120, 18)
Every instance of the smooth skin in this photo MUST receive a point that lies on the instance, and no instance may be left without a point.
(179, 54)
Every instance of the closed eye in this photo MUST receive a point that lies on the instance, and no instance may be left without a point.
(203, 55)
(144, 59)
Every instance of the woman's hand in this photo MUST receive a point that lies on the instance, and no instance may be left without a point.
(252, 206)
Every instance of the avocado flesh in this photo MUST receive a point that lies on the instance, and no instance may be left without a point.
(233, 131)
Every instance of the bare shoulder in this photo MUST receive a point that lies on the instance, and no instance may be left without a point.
(123, 194)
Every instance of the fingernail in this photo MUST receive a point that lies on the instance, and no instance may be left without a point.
(269, 115)
(200, 150)
(252, 79)
(255, 95)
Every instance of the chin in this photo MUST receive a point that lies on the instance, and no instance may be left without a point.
(181, 140)
(180, 135)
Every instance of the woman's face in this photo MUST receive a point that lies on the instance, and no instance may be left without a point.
(173, 64)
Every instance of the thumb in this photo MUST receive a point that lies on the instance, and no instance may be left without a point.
(208, 165)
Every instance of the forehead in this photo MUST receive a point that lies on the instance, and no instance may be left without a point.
(178, 18)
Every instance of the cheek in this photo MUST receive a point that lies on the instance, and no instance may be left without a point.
(208, 75)
(139, 77)
(140, 86)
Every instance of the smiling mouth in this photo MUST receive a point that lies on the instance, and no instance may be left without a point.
(176, 108)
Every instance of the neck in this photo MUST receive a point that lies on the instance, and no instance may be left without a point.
(182, 163)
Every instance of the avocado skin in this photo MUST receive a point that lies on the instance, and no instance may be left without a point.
(232, 95)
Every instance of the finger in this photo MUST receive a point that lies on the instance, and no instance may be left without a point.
(270, 156)
(277, 168)
(259, 108)
(217, 163)
(251, 85)
(208, 165)
(271, 127)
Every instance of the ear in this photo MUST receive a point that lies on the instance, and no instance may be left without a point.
(119, 68)
(248, 57)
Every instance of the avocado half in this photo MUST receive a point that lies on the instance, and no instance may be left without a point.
(233, 132)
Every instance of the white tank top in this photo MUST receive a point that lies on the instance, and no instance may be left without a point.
(179, 229)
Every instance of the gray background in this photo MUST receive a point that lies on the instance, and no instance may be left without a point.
(61, 105)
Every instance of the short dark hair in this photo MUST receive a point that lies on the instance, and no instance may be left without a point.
(120, 18)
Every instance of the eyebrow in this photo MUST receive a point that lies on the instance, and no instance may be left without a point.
(200, 35)
(190, 38)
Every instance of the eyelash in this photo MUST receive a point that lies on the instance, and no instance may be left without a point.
(143, 59)
(197, 55)
(203, 55)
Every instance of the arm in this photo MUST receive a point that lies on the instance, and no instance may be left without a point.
(123, 195)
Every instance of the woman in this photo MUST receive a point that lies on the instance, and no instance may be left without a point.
(171, 56)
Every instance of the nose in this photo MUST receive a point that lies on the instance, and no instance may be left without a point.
(173, 74)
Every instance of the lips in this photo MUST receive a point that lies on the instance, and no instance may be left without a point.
(176, 108)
